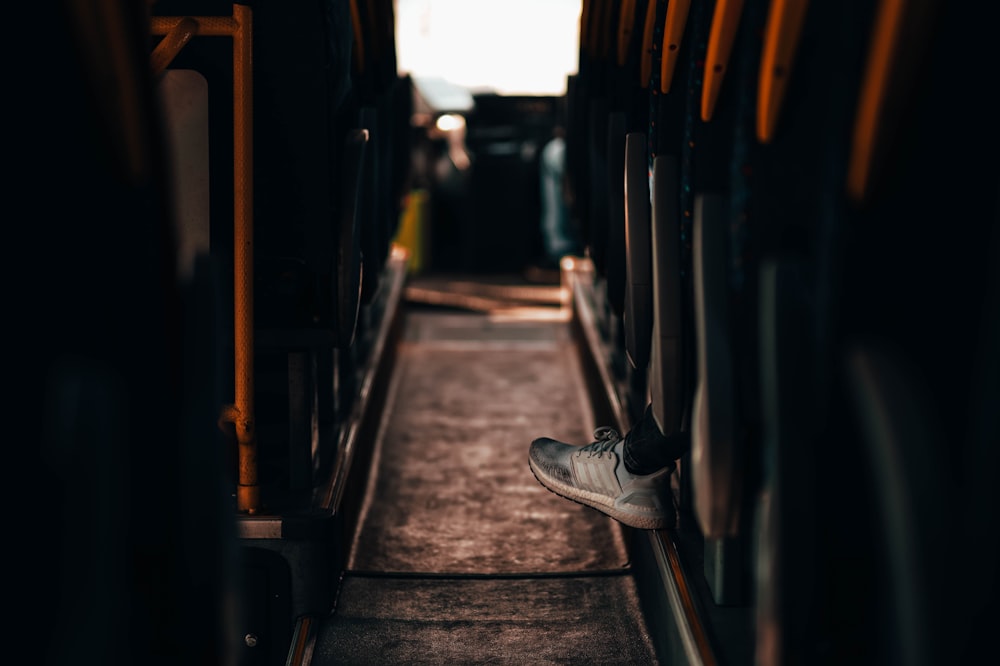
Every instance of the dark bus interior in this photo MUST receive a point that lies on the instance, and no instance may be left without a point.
(283, 328)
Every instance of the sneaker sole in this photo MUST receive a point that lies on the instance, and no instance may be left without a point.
(602, 503)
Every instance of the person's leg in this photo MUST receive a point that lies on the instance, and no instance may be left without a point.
(628, 478)
(647, 449)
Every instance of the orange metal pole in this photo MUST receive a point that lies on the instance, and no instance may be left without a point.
(240, 27)
(248, 492)
(172, 44)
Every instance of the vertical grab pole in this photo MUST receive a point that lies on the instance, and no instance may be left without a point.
(248, 490)
(240, 28)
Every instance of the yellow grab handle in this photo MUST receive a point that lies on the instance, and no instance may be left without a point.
(626, 20)
(725, 20)
(648, 28)
(781, 39)
(888, 69)
(673, 32)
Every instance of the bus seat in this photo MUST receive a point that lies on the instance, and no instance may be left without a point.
(666, 354)
(716, 464)
(597, 136)
(615, 258)
(350, 260)
(717, 469)
(638, 311)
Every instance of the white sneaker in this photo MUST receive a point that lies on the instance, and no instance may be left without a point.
(595, 475)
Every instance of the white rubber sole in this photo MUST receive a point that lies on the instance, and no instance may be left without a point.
(602, 503)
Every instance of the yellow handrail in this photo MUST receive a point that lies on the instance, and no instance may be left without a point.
(725, 21)
(172, 44)
(673, 33)
(239, 26)
(648, 28)
(785, 19)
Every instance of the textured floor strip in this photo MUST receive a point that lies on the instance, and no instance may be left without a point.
(547, 621)
(452, 492)
(461, 556)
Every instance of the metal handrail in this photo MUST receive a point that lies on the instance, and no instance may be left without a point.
(177, 32)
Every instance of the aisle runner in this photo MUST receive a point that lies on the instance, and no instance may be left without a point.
(451, 491)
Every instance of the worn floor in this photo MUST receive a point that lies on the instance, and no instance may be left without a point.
(460, 556)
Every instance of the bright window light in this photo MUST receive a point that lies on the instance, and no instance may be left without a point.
(508, 47)
(450, 122)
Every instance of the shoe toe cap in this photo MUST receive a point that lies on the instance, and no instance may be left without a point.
(550, 457)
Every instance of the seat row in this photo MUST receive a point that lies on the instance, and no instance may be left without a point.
(795, 231)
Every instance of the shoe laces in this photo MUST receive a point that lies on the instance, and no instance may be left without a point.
(605, 438)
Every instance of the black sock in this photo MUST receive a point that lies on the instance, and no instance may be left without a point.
(647, 450)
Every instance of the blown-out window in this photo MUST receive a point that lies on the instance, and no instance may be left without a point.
(508, 47)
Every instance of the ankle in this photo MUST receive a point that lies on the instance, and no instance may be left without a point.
(645, 452)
